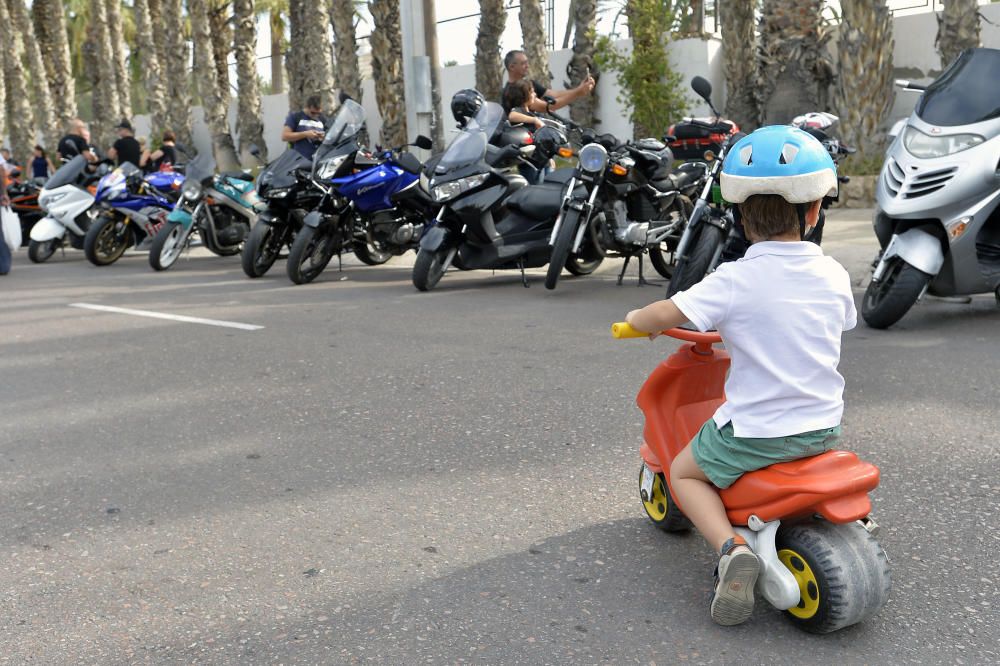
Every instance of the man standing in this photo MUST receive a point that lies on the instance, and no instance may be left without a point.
(5, 254)
(516, 64)
(305, 129)
(126, 148)
(75, 143)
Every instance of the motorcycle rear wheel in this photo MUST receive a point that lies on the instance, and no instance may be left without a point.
(694, 269)
(41, 251)
(167, 246)
(107, 239)
(660, 263)
(428, 269)
(311, 252)
(886, 301)
(369, 254)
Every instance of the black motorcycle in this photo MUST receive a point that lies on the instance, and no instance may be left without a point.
(489, 217)
(287, 189)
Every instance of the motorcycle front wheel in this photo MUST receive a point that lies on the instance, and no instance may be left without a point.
(311, 252)
(710, 237)
(561, 248)
(106, 240)
(262, 248)
(428, 269)
(167, 246)
(887, 300)
(40, 251)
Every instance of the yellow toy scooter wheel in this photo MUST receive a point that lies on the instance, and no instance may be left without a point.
(660, 506)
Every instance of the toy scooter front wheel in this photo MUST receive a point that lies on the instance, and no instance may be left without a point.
(659, 505)
(842, 572)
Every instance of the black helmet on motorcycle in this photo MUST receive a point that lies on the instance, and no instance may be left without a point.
(548, 141)
(465, 104)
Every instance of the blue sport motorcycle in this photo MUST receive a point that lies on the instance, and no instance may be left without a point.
(132, 208)
(373, 206)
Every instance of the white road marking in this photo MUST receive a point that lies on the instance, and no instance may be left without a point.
(162, 315)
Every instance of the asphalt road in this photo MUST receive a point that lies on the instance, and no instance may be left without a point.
(380, 475)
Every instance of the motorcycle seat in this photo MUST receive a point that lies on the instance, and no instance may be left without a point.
(539, 202)
(560, 176)
(682, 179)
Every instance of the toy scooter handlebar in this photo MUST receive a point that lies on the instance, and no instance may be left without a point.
(621, 330)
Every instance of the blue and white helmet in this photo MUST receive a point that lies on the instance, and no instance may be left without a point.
(782, 160)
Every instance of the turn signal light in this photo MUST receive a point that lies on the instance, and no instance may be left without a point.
(565, 152)
(619, 170)
(957, 227)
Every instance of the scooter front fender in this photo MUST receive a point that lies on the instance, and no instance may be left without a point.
(917, 248)
(180, 216)
(46, 229)
(314, 219)
(434, 239)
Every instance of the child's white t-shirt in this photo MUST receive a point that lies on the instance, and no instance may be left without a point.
(780, 310)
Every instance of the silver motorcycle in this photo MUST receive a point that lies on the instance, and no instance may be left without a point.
(936, 216)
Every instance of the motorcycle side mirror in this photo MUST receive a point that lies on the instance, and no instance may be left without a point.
(409, 163)
(701, 86)
(423, 142)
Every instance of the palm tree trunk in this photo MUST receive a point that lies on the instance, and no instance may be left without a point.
(387, 70)
(41, 96)
(310, 71)
(346, 62)
(178, 65)
(277, 24)
(739, 40)
(865, 92)
(152, 77)
(50, 32)
(208, 87)
(249, 127)
(222, 43)
(492, 21)
(583, 110)
(794, 76)
(123, 81)
(104, 99)
(958, 29)
(20, 123)
(532, 18)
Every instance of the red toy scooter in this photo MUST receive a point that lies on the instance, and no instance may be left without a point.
(807, 520)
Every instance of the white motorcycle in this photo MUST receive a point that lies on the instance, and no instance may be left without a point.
(69, 210)
(938, 199)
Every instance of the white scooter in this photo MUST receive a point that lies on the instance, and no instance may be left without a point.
(68, 207)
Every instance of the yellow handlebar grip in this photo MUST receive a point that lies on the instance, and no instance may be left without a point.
(623, 330)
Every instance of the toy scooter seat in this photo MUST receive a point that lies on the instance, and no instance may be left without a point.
(834, 484)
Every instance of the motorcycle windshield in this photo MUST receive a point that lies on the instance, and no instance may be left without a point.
(349, 120)
(961, 96)
(200, 168)
(68, 173)
(469, 146)
(281, 172)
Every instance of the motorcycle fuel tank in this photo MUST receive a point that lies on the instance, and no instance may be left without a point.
(371, 189)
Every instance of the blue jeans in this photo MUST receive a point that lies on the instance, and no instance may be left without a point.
(4, 255)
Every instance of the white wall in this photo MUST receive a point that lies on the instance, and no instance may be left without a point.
(915, 57)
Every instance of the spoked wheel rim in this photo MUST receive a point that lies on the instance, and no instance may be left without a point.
(172, 246)
(111, 241)
(808, 604)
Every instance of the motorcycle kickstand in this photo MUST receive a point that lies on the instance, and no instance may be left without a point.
(621, 275)
(524, 278)
(642, 280)
(340, 263)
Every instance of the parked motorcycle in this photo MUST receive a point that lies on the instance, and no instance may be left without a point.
(631, 203)
(24, 201)
(288, 193)
(713, 233)
(331, 227)
(67, 199)
(131, 209)
(489, 218)
(220, 207)
(937, 215)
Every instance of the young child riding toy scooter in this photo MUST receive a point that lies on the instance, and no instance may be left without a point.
(780, 311)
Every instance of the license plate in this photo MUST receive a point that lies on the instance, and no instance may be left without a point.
(646, 483)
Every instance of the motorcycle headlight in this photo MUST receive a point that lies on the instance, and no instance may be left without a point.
(452, 189)
(925, 146)
(329, 167)
(593, 158)
(278, 193)
(191, 190)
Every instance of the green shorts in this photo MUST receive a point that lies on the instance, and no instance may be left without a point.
(724, 457)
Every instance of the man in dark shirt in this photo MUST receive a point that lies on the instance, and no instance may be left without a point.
(75, 143)
(126, 148)
(516, 64)
(305, 129)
